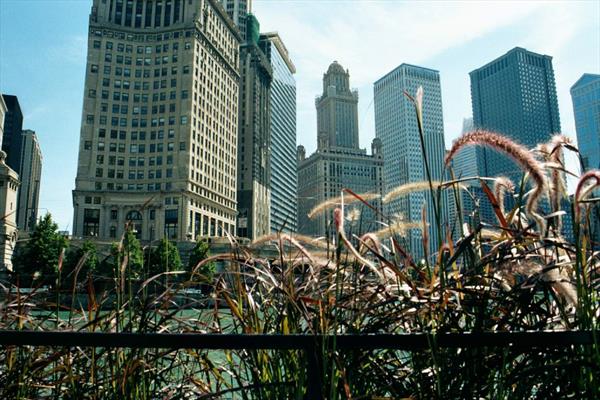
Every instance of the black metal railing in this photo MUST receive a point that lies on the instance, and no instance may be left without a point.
(311, 345)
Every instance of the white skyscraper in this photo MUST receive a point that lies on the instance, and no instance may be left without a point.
(396, 126)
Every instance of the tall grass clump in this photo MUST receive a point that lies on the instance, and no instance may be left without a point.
(524, 272)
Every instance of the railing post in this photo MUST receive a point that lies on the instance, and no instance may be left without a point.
(314, 362)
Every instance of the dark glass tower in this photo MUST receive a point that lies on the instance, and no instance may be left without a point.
(13, 126)
(514, 95)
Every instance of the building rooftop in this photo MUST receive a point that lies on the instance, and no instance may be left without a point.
(508, 53)
(585, 79)
(406, 66)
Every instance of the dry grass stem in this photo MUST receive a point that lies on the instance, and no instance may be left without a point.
(337, 201)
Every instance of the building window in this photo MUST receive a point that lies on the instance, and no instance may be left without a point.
(135, 220)
(171, 222)
(91, 222)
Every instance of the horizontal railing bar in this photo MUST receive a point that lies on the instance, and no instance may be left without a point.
(412, 341)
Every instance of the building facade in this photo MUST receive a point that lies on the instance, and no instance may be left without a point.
(9, 184)
(339, 162)
(13, 126)
(238, 12)
(337, 110)
(254, 137)
(284, 172)
(30, 176)
(158, 145)
(396, 126)
(585, 94)
(472, 205)
(515, 95)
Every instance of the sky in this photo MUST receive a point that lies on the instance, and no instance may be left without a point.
(43, 56)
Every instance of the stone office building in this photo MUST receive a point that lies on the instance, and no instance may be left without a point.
(339, 162)
(158, 145)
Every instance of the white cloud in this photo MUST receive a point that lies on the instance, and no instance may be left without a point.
(72, 50)
(371, 38)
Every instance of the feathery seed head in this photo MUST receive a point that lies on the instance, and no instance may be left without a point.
(584, 188)
(515, 151)
(336, 201)
(408, 188)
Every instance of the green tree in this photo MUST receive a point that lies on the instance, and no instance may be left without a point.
(201, 251)
(164, 257)
(135, 256)
(73, 259)
(41, 252)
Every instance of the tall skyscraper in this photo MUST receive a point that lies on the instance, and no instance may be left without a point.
(585, 94)
(13, 126)
(337, 109)
(238, 12)
(254, 137)
(515, 95)
(469, 163)
(284, 172)
(396, 126)
(158, 146)
(30, 176)
(339, 162)
(9, 184)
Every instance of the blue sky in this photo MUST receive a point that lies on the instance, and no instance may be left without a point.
(43, 54)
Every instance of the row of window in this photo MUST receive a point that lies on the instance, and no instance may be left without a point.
(135, 122)
(133, 148)
(139, 73)
(150, 16)
(134, 174)
(150, 187)
(127, 48)
(134, 161)
(141, 38)
(135, 135)
(137, 85)
(138, 98)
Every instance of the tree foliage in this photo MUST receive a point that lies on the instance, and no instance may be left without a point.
(132, 249)
(164, 257)
(84, 258)
(41, 252)
(201, 251)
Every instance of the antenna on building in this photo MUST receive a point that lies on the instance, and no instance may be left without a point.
(250, 6)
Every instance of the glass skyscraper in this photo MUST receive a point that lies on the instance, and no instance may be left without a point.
(585, 94)
(396, 127)
(514, 95)
(254, 136)
(284, 172)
